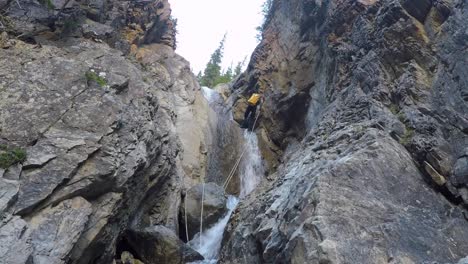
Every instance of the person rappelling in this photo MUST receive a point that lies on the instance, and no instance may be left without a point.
(254, 102)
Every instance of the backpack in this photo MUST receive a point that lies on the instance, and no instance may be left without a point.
(254, 99)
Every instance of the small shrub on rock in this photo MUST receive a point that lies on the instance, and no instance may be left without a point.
(11, 156)
(92, 76)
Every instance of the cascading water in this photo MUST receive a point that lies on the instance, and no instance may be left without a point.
(210, 242)
(251, 169)
(251, 172)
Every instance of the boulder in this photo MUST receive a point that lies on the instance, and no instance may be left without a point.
(159, 244)
(223, 89)
(128, 258)
(239, 109)
(214, 207)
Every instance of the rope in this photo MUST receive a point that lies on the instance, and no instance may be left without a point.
(185, 213)
(231, 174)
(226, 183)
(185, 209)
(201, 214)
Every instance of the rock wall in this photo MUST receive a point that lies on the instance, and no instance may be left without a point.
(95, 109)
(366, 116)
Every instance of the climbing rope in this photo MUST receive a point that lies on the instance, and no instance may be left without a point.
(234, 168)
(185, 209)
(185, 213)
(226, 183)
(201, 214)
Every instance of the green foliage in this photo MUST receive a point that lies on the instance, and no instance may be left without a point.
(401, 116)
(174, 26)
(92, 76)
(394, 109)
(5, 23)
(213, 69)
(11, 156)
(70, 25)
(199, 76)
(47, 3)
(407, 136)
(239, 66)
(212, 75)
(266, 8)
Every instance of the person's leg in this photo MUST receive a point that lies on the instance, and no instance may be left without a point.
(247, 111)
(252, 118)
(245, 123)
(254, 110)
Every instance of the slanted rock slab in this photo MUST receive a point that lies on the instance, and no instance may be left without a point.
(214, 207)
(159, 244)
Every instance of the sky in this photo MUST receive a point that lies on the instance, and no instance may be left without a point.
(202, 24)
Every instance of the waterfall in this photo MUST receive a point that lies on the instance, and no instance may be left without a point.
(211, 238)
(210, 94)
(250, 171)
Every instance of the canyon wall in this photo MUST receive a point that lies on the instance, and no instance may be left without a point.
(102, 128)
(364, 129)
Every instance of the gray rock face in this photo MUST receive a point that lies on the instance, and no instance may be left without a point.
(55, 230)
(214, 207)
(365, 101)
(8, 192)
(14, 246)
(460, 172)
(100, 129)
(226, 142)
(119, 23)
(159, 244)
(48, 237)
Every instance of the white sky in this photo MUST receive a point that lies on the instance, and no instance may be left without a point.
(202, 24)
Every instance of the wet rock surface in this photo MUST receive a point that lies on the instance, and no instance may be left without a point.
(226, 143)
(214, 207)
(364, 101)
(159, 244)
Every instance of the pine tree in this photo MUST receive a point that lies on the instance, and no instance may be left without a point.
(213, 68)
(266, 8)
(228, 73)
(225, 77)
(239, 66)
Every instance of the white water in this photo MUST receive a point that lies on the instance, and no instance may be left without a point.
(251, 172)
(209, 94)
(251, 169)
(211, 238)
